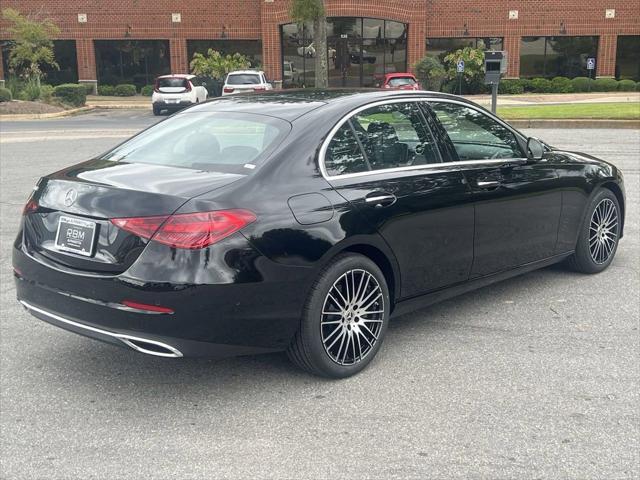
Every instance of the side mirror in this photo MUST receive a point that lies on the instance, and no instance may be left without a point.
(535, 149)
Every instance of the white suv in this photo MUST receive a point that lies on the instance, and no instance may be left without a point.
(173, 92)
(245, 81)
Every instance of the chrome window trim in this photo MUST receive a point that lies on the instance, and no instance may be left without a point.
(429, 166)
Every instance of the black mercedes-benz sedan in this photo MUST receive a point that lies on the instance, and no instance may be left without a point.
(303, 221)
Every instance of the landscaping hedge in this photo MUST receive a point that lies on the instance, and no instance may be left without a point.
(626, 85)
(605, 85)
(5, 95)
(581, 84)
(88, 88)
(541, 85)
(147, 90)
(561, 85)
(106, 90)
(511, 87)
(71, 94)
(125, 90)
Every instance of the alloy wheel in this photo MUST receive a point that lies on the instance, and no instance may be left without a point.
(352, 317)
(603, 231)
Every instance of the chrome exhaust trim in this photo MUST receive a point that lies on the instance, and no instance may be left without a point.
(136, 343)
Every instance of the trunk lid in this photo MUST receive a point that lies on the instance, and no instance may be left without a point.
(90, 194)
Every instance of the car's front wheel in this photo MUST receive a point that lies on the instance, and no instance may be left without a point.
(344, 320)
(156, 111)
(599, 235)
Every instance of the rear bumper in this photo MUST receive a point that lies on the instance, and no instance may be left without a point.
(227, 316)
(171, 106)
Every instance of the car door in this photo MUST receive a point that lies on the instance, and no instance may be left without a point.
(386, 162)
(517, 202)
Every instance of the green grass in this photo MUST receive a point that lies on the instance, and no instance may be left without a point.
(614, 111)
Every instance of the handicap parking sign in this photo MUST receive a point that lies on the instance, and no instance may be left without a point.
(460, 66)
(591, 63)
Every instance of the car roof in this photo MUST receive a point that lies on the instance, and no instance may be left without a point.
(241, 72)
(291, 104)
(178, 75)
(399, 75)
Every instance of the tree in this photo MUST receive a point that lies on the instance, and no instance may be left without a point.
(473, 74)
(313, 12)
(430, 73)
(31, 47)
(216, 65)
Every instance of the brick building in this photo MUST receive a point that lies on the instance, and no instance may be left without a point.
(117, 41)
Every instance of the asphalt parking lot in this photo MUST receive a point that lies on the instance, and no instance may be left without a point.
(536, 377)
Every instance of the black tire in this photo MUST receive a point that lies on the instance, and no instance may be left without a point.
(584, 259)
(309, 352)
(156, 111)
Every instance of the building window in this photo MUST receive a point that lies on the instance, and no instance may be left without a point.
(65, 55)
(131, 61)
(556, 56)
(628, 57)
(441, 47)
(252, 49)
(360, 52)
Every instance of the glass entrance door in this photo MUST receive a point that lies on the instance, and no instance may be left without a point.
(344, 68)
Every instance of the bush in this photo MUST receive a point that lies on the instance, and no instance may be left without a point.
(541, 85)
(637, 86)
(626, 85)
(526, 84)
(71, 94)
(30, 90)
(106, 90)
(511, 87)
(88, 88)
(581, 84)
(147, 90)
(125, 90)
(605, 85)
(46, 92)
(5, 95)
(562, 85)
(430, 73)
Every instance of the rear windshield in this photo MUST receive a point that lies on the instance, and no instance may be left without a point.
(212, 141)
(400, 81)
(243, 79)
(172, 83)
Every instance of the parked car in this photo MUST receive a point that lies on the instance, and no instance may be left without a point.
(289, 73)
(245, 81)
(357, 56)
(177, 91)
(304, 221)
(400, 81)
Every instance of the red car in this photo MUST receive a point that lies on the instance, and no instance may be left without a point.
(400, 81)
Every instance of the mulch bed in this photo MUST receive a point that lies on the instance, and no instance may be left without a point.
(18, 107)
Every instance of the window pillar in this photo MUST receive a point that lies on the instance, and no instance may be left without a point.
(606, 62)
(86, 56)
(178, 55)
(511, 45)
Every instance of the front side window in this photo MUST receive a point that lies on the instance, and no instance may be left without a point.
(476, 136)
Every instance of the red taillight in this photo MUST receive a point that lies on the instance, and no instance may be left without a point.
(228, 90)
(188, 230)
(30, 207)
(146, 307)
(187, 88)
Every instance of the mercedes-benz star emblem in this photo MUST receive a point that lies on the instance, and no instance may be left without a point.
(70, 197)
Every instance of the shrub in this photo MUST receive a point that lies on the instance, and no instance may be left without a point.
(581, 84)
(626, 85)
(106, 90)
(430, 73)
(637, 86)
(511, 87)
(125, 90)
(605, 85)
(5, 95)
(30, 91)
(526, 84)
(541, 85)
(88, 88)
(147, 90)
(71, 94)
(46, 92)
(562, 85)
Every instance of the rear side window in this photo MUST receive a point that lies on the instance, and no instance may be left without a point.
(243, 79)
(215, 141)
(344, 154)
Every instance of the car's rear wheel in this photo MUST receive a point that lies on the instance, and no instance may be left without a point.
(344, 320)
(599, 234)
(156, 111)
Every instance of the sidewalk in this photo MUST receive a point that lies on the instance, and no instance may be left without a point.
(529, 99)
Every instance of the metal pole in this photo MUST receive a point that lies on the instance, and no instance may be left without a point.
(494, 97)
(459, 84)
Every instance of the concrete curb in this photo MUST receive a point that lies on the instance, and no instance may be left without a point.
(70, 112)
(573, 123)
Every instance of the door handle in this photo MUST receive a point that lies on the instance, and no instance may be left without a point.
(380, 200)
(488, 183)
